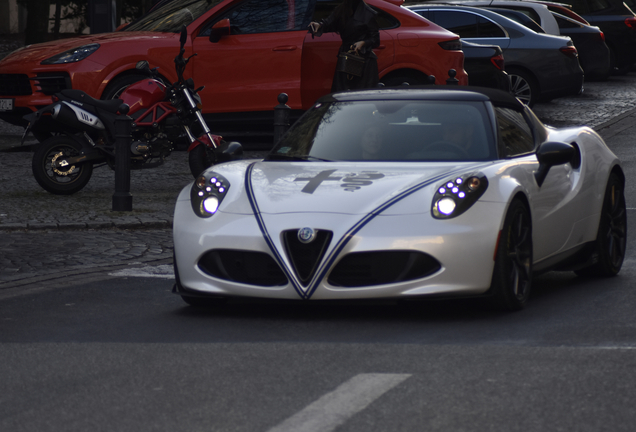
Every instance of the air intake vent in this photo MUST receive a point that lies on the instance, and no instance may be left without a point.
(378, 268)
(15, 85)
(253, 268)
(53, 82)
(305, 257)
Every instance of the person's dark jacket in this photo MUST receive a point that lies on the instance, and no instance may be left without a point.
(361, 26)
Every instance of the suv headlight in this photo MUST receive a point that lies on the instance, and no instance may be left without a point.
(72, 55)
(207, 193)
(455, 196)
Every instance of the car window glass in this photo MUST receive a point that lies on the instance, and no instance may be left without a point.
(589, 6)
(397, 130)
(466, 24)
(565, 23)
(527, 11)
(266, 16)
(514, 132)
(324, 8)
(173, 15)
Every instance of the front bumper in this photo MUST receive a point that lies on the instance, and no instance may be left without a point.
(464, 247)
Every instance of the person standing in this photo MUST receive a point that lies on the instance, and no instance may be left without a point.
(355, 22)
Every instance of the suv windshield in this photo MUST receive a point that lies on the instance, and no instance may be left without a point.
(172, 16)
(390, 130)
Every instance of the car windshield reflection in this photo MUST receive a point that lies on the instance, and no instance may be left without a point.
(390, 131)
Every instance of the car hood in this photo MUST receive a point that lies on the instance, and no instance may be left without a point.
(37, 53)
(348, 188)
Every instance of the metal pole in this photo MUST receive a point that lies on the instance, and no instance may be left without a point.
(122, 199)
(281, 117)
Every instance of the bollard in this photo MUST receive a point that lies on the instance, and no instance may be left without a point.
(122, 199)
(452, 80)
(281, 117)
(430, 79)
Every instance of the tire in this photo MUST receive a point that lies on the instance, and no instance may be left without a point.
(611, 238)
(524, 86)
(200, 158)
(614, 68)
(512, 275)
(60, 180)
(118, 85)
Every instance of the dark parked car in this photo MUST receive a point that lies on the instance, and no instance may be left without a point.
(594, 54)
(617, 20)
(485, 66)
(540, 66)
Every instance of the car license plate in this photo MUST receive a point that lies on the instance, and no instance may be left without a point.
(6, 104)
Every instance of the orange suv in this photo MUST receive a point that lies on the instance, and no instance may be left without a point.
(248, 51)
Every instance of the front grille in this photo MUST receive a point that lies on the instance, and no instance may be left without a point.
(305, 257)
(253, 268)
(15, 85)
(378, 268)
(53, 82)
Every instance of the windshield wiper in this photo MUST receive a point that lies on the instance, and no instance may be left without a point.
(295, 158)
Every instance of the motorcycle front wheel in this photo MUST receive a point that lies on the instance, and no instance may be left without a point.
(200, 158)
(55, 178)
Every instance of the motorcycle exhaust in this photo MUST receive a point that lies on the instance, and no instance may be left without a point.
(76, 117)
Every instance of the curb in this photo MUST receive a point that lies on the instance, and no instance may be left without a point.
(75, 226)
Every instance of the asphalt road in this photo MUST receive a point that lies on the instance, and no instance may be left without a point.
(112, 350)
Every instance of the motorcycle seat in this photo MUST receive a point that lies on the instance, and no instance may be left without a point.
(111, 105)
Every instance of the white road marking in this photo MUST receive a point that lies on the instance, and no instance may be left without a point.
(336, 407)
(161, 271)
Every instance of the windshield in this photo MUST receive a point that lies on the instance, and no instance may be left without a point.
(172, 15)
(390, 130)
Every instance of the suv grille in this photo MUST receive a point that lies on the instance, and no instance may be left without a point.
(15, 85)
(254, 268)
(53, 82)
(377, 268)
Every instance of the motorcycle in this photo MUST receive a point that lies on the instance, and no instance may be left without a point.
(81, 130)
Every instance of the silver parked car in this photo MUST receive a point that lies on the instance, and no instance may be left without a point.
(540, 66)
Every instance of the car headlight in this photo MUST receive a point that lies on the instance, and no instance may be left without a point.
(72, 55)
(207, 192)
(457, 195)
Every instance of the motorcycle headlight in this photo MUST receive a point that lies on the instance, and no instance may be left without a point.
(207, 193)
(72, 55)
(457, 195)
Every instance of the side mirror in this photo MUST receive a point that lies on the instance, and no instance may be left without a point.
(220, 29)
(142, 65)
(551, 154)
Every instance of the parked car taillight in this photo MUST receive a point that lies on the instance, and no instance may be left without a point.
(569, 51)
(498, 61)
(451, 45)
(631, 22)
(602, 36)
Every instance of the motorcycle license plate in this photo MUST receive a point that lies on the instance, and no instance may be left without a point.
(6, 104)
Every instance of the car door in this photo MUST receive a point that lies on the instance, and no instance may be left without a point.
(257, 58)
(551, 212)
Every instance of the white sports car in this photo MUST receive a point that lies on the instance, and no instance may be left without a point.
(402, 193)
